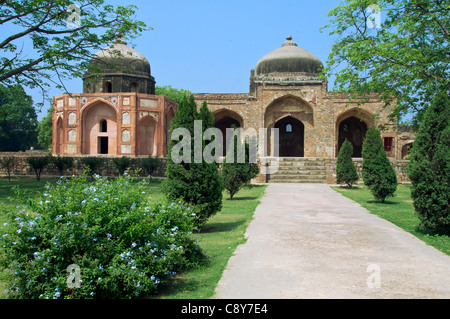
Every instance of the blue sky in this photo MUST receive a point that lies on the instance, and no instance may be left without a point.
(211, 46)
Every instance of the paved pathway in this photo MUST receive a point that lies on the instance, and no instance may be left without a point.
(308, 241)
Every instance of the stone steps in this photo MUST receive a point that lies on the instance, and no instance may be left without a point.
(299, 170)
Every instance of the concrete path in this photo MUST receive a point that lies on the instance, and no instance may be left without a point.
(308, 241)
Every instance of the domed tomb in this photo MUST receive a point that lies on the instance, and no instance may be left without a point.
(117, 69)
(289, 59)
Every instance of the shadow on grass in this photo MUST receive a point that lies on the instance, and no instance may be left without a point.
(220, 227)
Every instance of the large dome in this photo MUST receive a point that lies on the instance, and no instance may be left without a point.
(289, 59)
(120, 57)
(119, 68)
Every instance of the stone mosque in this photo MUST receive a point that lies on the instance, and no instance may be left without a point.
(118, 113)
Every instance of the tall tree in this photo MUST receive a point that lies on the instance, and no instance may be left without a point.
(62, 37)
(377, 171)
(188, 177)
(45, 130)
(396, 48)
(18, 119)
(345, 168)
(429, 167)
(172, 93)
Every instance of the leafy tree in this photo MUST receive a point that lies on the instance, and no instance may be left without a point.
(236, 174)
(172, 93)
(8, 163)
(377, 171)
(45, 130)
(429, 167)
(198, 182)
(345, 168)
(38, 164)
(62, 163)
(62, 36)
(18, 119)
(405, 56)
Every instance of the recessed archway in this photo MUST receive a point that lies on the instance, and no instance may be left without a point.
(291, 137)
(353, 125)
(99, 129)
(147, 136)
(225, 119)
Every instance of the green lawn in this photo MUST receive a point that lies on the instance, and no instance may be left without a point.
(399, 210)
(219, 237)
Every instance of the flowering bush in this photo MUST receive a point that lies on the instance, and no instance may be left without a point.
(122, 244)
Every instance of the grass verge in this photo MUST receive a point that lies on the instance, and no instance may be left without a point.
(398, 210)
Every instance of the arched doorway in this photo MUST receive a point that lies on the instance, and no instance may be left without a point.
(224, 120)
(354, 130)
(291, 137)
(99, 134)
(147, 136)
(294, 119)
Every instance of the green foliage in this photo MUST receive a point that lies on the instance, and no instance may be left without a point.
(406, 57)
(345, 168)
(18, 119)
(237, 174)
(45, 130)
(62, 163)
(92, 164)
(38, 164)
(124, 245)
(55, 51)
(198, 183)
(377, 171)
(122, 164)
(429, 167)
(8, 163)
(150, 164)
(172, 93)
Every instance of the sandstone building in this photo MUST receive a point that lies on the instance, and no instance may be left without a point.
(117, 113)
(287, 92)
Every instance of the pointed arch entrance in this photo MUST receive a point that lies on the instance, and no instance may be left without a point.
(224, 119)
(353, 126)
(294, 119)
(147, 136)
(291, 137)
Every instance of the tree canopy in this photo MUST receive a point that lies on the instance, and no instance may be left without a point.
(18, 119)
(55, 40)
(396, 48)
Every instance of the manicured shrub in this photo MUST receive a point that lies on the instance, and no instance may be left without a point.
(92, 164)
(429, 167)
(38, 164)
(123, 245)
(378, 174)
(236, 174)
(150, 164)
(62, 163)
(122, 164)
(345, 168)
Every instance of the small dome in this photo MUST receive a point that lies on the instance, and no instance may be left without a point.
(289, 59)
(125, 58)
